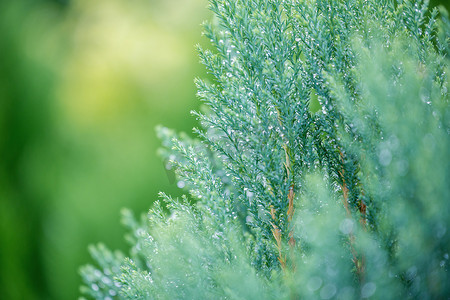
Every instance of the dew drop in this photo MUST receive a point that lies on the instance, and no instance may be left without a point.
(368, 290)
(180, 184)
(314, 283)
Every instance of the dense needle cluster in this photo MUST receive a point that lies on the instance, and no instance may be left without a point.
(320, 169)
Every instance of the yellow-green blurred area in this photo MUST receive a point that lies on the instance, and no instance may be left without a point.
(82, 86)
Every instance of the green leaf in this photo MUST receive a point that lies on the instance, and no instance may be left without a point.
(314, 104)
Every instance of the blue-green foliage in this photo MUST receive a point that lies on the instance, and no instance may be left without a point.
(321, 166)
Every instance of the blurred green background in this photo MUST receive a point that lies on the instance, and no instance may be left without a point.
(82, 86)
(83, 83)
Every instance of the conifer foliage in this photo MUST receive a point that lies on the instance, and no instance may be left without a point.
(321, 166)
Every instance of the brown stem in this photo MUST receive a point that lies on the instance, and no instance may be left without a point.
(277, 235)
(290, 213)
(359, 262)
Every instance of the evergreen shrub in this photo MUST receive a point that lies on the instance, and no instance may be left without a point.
(321, 166)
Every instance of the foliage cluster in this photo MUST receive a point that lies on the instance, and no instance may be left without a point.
(320, 169)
